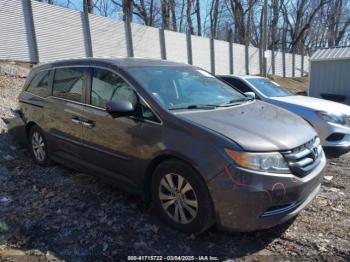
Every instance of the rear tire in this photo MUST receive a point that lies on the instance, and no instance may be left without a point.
(181, 198)
(38, 146)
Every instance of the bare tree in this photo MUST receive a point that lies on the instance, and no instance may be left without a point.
(105, 7)
(214, 10)
(198, 16)
(165, 14)
(276, 6)
(90, 6)
(238, 17)
(189, 16)
(182, 15)
(173, 14)
(295, 25)
(145, 11)
(337, 22)
(302, 22)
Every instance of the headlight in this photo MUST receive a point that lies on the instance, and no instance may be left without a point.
(265, 162)
(332, 118)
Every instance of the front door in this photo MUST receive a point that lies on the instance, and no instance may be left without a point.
(113, 144)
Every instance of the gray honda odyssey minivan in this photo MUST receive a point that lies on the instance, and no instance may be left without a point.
(203, 152)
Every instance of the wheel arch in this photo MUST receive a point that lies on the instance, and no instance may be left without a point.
(155, 162)
(28, 126)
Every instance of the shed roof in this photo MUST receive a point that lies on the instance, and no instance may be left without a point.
(335, 53)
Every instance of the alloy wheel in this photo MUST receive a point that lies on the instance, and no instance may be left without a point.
(178, 198)
(38, 146)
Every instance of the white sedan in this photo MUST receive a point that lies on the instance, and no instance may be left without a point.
(331, 120)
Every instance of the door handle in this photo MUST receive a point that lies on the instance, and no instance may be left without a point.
(76, 120)
(88, 124)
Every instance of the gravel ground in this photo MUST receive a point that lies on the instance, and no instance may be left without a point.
(55, 213)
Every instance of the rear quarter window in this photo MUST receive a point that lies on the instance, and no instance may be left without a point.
(40, 84)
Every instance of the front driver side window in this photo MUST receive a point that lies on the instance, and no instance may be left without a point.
(107, 87)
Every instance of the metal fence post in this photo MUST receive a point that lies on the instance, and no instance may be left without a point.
(30, 31)
(273, 60)
(293, 63)
(284, 62)
(246, 58)
(128, 37)
(212, 56)
(302, 64)
(230, 50)
(162, 43)
(261, 60)
(189, 48)
(86, 30)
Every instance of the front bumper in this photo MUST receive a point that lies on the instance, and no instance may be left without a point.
(16, 126)
(245, 200)
(327, 129)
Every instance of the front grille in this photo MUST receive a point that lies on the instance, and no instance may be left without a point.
(303, 159)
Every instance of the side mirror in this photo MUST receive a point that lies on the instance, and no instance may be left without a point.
(120, 108)
(250, 94)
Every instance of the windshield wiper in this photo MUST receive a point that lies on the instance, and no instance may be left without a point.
(237, 101)
(208, 107)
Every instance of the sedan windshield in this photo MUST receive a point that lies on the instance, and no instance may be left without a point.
(178, 87)
(268, 87)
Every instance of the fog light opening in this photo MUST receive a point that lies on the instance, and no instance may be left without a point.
(335, 137)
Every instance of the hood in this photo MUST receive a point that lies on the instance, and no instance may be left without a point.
(313, 104)
(255, 126)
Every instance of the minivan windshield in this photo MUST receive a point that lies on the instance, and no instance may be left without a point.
(268, 87)
(177, 87)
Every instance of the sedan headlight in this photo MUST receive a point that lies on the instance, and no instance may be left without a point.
(265, 162)
(332, 118)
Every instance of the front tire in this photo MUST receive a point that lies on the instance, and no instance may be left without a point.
(181, 197)
(38, 146)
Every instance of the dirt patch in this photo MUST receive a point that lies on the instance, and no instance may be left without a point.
(296, 84)
(56, 214)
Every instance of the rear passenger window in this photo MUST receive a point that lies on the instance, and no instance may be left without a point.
(68, 83)
(40, 84)
(107, 86)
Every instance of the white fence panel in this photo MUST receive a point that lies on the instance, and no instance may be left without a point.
(146, 41)
(297, 65)
(239, 59)
(59, 32)
(63, 33)
(306, 64)
(269, 62)
(107, 37)
(289, 63)
(176, 47)
(222, 57)
(201, 52)
(278, 63)
(254, 68)
(13, 35)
